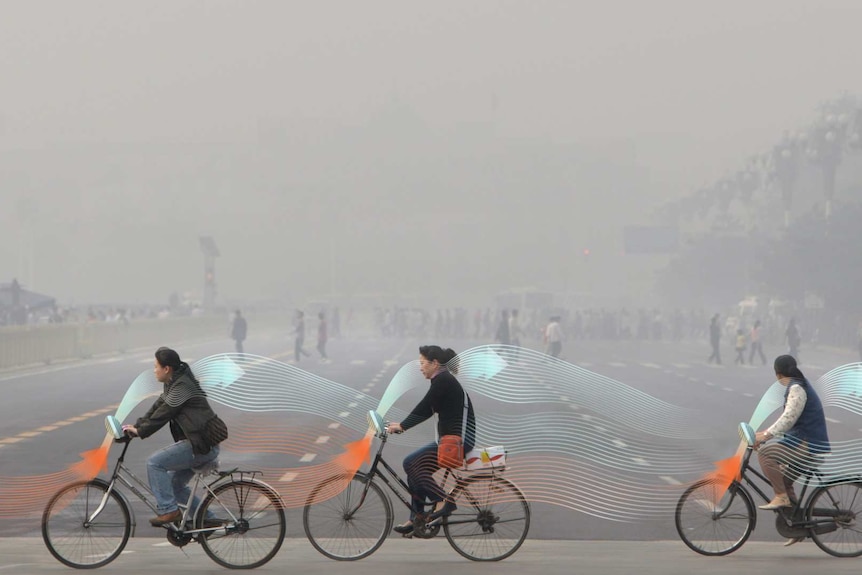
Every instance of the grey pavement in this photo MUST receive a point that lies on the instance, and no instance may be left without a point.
(26, 556)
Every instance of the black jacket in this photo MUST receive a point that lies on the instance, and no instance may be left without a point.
(445, 397)
(184, 405)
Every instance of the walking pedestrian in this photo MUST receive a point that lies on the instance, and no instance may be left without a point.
(322, 336)
(715, 339)
(299, 333)
(238, 330)
(740, 347)
(756, 344)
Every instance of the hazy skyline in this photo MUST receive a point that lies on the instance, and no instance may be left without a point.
(435, 148)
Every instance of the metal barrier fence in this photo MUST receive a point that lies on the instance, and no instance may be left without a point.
(43, 344)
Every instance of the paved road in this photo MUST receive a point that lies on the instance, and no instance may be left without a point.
(27, 556)
(78, 395)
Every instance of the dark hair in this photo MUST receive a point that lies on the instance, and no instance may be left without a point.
(444, 356)
(786, 365)
(168, 358)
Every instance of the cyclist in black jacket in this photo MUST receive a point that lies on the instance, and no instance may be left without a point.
(184, 406)
(446, 398)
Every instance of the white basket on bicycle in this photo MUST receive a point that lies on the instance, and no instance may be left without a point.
(484, 458)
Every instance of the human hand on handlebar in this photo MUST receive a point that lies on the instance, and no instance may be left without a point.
(393, 427)
(130, 430)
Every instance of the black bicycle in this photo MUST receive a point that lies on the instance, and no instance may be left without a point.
(713, 522)
(348, 517)
(240, 523)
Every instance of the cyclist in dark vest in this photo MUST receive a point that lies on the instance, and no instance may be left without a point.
(800, 433)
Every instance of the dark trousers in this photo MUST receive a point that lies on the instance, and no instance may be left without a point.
(297, 349)
(239, 346)
(756, 346)
(420, 467)
(321, 348)
(716, 353)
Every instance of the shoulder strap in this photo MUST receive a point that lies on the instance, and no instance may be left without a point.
(464, 422)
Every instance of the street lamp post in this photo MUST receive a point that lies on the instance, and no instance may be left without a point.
(210, 252)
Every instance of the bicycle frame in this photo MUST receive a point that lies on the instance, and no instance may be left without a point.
(124, 476)
(801, 503)
(374, 471)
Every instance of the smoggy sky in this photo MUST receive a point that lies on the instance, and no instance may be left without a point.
(448, 150)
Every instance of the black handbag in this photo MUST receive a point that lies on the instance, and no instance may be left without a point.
(215, 430)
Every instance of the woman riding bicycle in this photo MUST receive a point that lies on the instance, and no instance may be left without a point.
(447, 399)
(802, 432)
(184, 405)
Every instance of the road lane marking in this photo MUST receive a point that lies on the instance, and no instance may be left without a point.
(358, 362)
(619, 443)
(709, 383)
(11, 440)
(829, 419)
(616, 364)
(289, 476)
(322, 439)
(651, 365)
(748, 394)
(29, 433)
(344, 414)
(352, 404)
(669, 479)
(727, 388)
(307, 457)
(640, 460)
(335, 425)
(681, 365)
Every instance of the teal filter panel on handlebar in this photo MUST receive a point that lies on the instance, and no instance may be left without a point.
(113, 426)
(375, 420)
(746, 433)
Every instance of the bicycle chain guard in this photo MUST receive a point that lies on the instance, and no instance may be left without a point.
(421, 529)
(784, 524)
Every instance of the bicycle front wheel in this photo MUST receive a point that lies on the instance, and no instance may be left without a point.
(77, 538)
(253, 521)
(492, 519)
(713, 523)
(347, 518)
(835, 511)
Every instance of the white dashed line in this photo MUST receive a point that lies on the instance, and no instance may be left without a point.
(322, 439)
(307, 457)
(29, 434)
(640, 460)
(669, 479)
(681, 365)
(709, 383)
(289, 476)
(12, 440)
(617, 364)
(727, 389)
(748, 394)
(344, 414)
(829, 419)
(390, 362)
(360, 396)
(619, 443)
(358, 362)
(334, 425)
(352, 404)
(651, 365)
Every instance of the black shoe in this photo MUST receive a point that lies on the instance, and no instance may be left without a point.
(436, 518)
(404, 528)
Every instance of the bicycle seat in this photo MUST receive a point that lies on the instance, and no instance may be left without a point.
(207, 468)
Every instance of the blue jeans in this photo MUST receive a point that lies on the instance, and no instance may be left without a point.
(169, 471)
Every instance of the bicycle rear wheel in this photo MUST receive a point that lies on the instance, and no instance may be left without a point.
(343, 526)
(492, 519)
(254, 524)
(712, 523)
(73, 538)
(836, 511)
